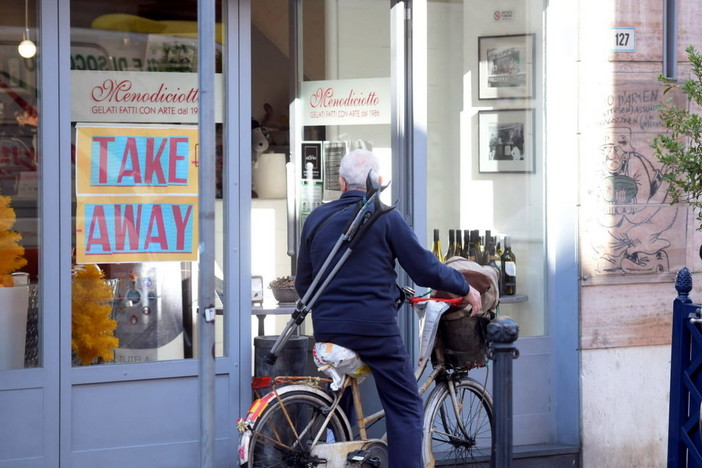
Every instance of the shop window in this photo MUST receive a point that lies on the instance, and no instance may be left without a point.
(485, 150)
(20, 168)
(135, 102)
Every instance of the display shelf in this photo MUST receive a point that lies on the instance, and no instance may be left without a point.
(271, 308)
(514, 299)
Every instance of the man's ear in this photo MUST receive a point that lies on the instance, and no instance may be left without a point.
(342, 183)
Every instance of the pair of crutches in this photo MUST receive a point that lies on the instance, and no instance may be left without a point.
(366, 214)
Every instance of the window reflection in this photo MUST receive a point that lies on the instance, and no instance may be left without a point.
(19, 184)
(135, 113)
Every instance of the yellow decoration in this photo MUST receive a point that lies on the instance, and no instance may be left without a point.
(11, 252)
(92, 329)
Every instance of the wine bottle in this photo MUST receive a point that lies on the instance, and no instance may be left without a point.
(475, 234)
(493, 259)
(475, 245)
(451, 245)
(459, 243)
(466, 243)
(508, 270)
(486, 247)
(436, 247)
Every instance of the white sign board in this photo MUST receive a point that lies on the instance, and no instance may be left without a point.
(346, 102)
(145, 97)
(623, 39)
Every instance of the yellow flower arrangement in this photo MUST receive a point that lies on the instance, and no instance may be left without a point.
(92, 334)
(11, 252)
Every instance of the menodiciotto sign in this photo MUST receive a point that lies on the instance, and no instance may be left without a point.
(109, 96)
(346, 102)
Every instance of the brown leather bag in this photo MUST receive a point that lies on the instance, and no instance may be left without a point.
(484, 278)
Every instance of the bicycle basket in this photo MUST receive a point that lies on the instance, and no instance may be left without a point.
(464, 339)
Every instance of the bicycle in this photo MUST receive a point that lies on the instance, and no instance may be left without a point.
(300, 424)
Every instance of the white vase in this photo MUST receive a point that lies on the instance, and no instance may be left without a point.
(14, 303)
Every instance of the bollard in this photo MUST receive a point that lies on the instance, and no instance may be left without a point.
(502, 333)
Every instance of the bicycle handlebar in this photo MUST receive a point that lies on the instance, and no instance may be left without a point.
(456, 301)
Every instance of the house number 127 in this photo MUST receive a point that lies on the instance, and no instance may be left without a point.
(624, 39)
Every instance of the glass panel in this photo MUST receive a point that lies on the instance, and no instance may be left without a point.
(19, 183)
(485, 115)
(134, 113)
(345, 104)
(270, 152)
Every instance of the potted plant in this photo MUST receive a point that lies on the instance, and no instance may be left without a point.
(680, 149)
(14, 300)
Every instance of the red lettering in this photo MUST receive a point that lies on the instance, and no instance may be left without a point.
(131, 154)
(126, 226)
(159, 237)
(153, 162)
(173, 158)
(98, 223)
(181, 222)
(102, 160)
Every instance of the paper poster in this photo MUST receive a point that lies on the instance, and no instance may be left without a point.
(136, 193)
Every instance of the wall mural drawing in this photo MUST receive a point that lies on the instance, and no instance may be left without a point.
(630, 231)
(632, 194)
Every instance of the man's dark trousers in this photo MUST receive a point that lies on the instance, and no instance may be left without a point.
(394, 378)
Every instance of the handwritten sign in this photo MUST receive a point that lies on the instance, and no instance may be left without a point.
(114, 230)
(136, 193)
(129, 160)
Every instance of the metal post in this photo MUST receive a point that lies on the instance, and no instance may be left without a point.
(670, 39)
(206, 142)
(679, 410)
(502, 333)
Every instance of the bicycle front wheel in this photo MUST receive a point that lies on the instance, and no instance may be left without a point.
(283, 434)
(458, 432)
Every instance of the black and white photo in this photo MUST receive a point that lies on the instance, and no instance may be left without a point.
(506, 66)
(506, 140)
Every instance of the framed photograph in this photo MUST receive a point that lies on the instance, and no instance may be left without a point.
(506, 66)
(506, 140)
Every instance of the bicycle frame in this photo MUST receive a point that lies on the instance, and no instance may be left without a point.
(364, 421)
(321, 445)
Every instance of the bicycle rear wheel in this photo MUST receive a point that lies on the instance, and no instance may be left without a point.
(461, 436)
(283, 433)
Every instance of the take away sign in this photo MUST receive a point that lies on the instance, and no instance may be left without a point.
(136, 193)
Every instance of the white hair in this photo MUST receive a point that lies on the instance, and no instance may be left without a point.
(356, 165)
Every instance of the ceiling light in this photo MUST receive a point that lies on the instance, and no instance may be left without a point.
(26, 48)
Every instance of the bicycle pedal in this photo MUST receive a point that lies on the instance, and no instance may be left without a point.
(363, 458)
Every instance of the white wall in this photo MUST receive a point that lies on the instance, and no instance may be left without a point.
(625, 407)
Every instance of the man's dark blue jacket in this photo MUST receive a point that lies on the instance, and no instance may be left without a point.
(360, 300)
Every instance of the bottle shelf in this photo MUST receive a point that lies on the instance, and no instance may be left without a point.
(514, 299)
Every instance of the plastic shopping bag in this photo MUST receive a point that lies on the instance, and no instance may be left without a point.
(335, 361)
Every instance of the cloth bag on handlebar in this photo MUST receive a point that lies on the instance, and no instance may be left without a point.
(484, 278)
(429, 314)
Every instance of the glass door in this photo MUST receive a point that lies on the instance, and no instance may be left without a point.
(135, 167)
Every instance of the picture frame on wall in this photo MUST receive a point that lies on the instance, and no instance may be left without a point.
(506, 66)
(506, 140)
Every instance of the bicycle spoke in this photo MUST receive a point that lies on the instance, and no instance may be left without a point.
(284, 433)
(458, 428)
